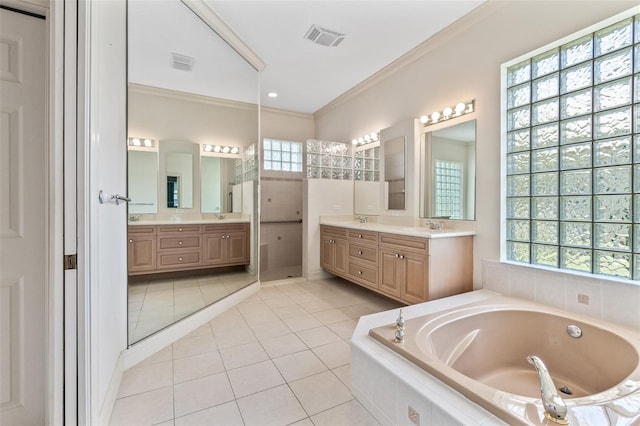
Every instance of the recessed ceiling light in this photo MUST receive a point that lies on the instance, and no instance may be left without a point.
(272, 94)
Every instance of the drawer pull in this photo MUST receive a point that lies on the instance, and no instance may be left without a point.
(359, 272)
(359, 251)
(179, 229)
(179, 243)
(130, 241)
(359, 235)
(397, 255)
(180, 259)
(402, 256)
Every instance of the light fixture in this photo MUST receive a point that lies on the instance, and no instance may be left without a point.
(368, 138)
(141, 143)
(448, 113)
(219, 150)
(272, 94)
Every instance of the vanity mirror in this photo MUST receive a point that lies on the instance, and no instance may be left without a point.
(394, 173)
(188, 88)
(448, 172)
(143, 181)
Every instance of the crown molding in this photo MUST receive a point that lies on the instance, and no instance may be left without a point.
(432, 43)
(192, 97)
(287, 112)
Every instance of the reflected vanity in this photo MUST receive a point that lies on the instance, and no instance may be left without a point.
(192, 221)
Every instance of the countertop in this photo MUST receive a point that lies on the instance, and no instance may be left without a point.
(413, 231)
(184, 221)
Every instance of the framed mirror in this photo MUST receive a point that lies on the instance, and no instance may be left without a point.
(394, 173)
(143, 181)
(221, 185)
(448, 172)
(179, 179)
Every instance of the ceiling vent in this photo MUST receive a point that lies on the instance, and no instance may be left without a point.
(181, 62)
(323, 36)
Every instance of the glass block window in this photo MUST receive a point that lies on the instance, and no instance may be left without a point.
(572, 151)
(329, 160)
(448, 189)
(366, 164)
(282, 156)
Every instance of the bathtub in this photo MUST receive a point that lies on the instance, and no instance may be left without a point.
(480, 350)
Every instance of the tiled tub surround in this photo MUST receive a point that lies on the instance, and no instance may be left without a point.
(481, 350)
(388, 384)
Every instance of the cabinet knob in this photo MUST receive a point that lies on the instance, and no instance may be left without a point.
(359, 251)
(359, 272)
(180, 259)
(179, 229)
(397, 255)
(179, 243)
(402, 256)
(359, 235)
(130, 241)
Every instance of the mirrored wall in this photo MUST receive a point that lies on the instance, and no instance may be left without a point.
(193, 105)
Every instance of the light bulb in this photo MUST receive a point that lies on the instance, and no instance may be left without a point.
(207, 148)
(374, 136)
(447, 112)
(136, 142)
(354, 142)
(424, 119)
(460, 108)
(217, 148)
(435, 116)
(360, 140)
(235, 150)
(226, 150)
(367, 138)
(148, 142)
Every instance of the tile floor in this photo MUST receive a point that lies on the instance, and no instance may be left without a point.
(280, 357)
(155, 304)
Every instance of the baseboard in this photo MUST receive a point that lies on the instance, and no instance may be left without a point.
(112, 392)
(318, 275)
(154, 343)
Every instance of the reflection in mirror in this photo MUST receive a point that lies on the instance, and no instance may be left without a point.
(179, 180)
(180, 258)
(394, 173)
(448, 173)
(143, 181)
(366, 179)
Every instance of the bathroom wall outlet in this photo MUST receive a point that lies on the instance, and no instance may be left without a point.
(413, 415)
(583, 298)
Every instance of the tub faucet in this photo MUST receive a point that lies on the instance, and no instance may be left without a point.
(554, 407)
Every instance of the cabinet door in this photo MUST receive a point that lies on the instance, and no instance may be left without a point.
(237, 248)
(214, 248)
(141, 253)
(341, 262)
(414, 288)
(390, 272)
(327, 253)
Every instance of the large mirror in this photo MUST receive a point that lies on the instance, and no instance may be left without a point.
(448, 172)
(394, 173)
(188, 89)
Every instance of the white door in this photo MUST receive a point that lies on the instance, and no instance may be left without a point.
(23, 219)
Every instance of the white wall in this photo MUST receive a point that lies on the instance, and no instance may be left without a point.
(458, 64)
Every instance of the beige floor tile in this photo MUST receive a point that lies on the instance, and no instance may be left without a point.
(229, 320)
(289, 311)
(148, 408)
(273, 407)
(162, 355)
(202, 393)
(259, 317)
(146, 378)
(334, 354)
(239, 356)
(331, 316)
(303, 422)
(318, 336)
(195, 367)
(320, 392)
(230, 338)
(167, 423)
(200, 331)
(313, 305)
(254, 378)
(303, 322)
(344, 374)
(224, 414)
(299, 365)
(270, 329)
(187, 347)
(351, 413)
(283, 345)
(344, 329)
(279, 302)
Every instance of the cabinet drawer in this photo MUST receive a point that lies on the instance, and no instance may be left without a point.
(332, 231)
(141, 230)
(364, 274)
(170, 260)
(363, 252)
(400, 242)
(186, 242)
(226, 227)
(179, 229)
(369, 236)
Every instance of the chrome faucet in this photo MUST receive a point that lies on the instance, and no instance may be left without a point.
(438, 226)
(362, 219)
(555, 408)
(221, 216)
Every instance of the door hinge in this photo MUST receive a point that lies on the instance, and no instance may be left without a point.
(70, 261)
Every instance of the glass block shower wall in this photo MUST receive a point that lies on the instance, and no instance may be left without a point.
(573, 154)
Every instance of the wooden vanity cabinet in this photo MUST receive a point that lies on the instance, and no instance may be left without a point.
(404, 267)
(179, 247)
(333, 249)
(141, 250)
(363, 258)
(225, 244)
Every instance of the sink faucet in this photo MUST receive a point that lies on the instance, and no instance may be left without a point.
(438, 226)
(362, 219)
(555, 408)
(220, 216)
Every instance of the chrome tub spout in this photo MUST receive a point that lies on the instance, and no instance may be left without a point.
(554, 406)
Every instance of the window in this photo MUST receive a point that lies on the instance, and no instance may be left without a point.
(448, 189)
(572, 127)
(283, 156)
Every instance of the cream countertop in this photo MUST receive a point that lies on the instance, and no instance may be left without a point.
(185, 221)
(413, 231)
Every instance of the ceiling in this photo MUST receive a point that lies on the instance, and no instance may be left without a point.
(306, 76)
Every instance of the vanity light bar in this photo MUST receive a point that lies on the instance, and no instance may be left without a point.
(220, 149)
(142, 143)
(448, 113)
(363, 140)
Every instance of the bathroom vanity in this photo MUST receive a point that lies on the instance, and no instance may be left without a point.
(169, 247)
(409, 264)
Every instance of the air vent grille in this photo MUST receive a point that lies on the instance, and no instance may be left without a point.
(324, 37)
(181, 62)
